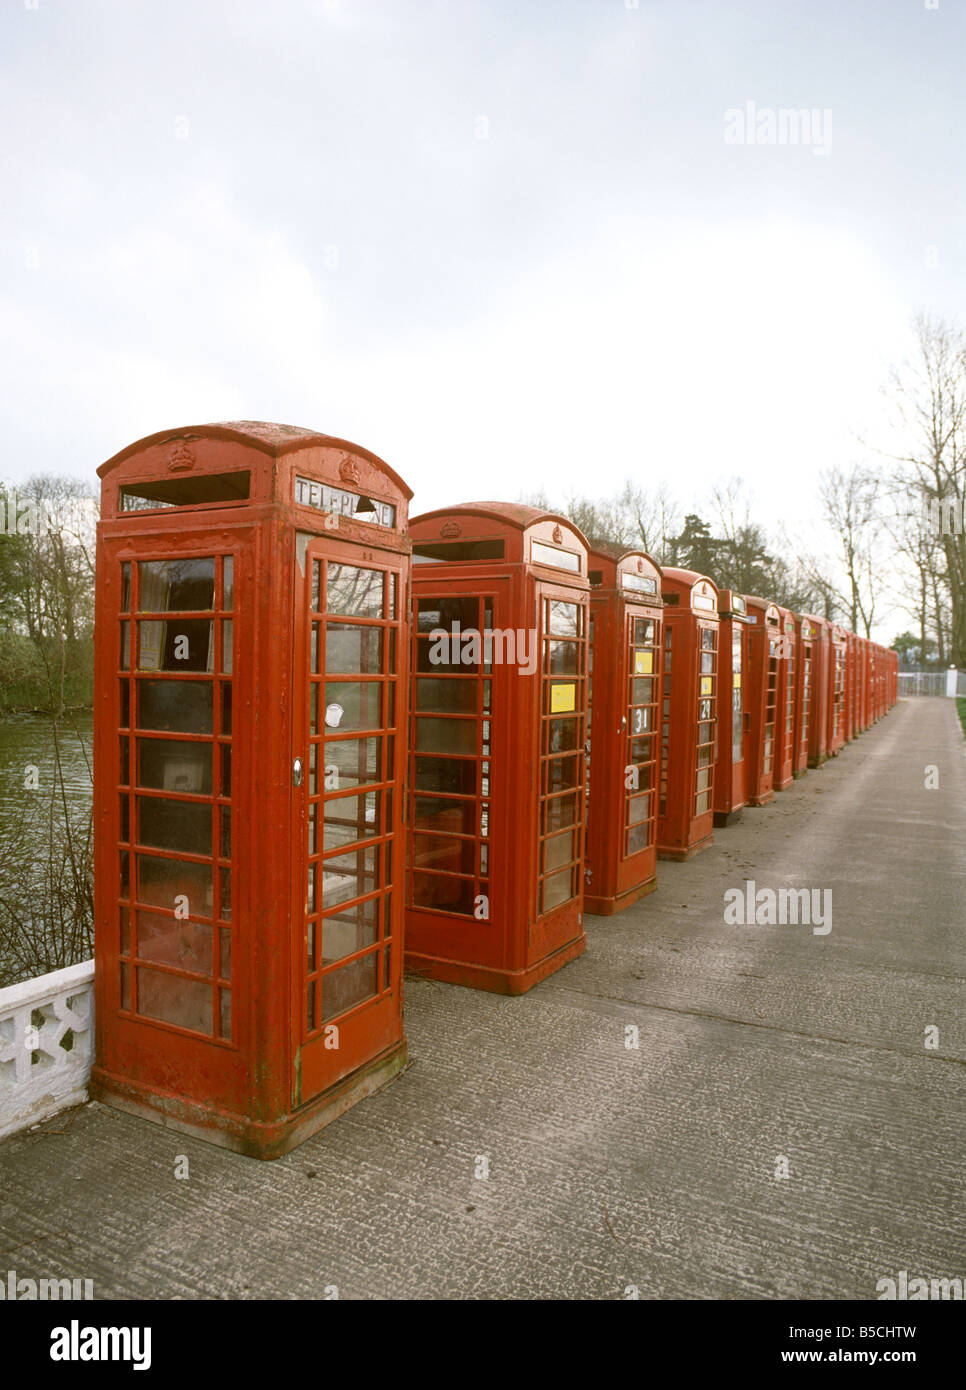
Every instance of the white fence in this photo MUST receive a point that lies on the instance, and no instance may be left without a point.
(46, 1045)
(951, 682)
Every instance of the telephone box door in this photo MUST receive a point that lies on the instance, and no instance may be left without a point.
(640, 748)
(557, 907)
(349, 705)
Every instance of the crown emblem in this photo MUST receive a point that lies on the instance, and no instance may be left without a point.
(348, 470)
(181, 457)
(451, 528)
(640, 566)
(557, 535)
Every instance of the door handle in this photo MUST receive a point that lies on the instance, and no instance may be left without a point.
(297, 773)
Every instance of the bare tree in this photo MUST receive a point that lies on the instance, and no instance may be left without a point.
(930, 399)
(850, 502)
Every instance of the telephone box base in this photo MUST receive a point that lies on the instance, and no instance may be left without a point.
(783, 786)
(458, 972)
(728, 817)
(230, 1130)
(606, 907)
(765, 800)
(687, 852)
(817, 761)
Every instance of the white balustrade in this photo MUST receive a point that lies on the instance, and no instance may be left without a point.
(46, 1045)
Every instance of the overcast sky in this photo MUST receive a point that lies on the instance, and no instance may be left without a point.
(505, 244)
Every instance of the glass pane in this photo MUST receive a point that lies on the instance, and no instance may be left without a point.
(558, 812)
(225, 769)
(452, 817)
(347, 819)
(228, 582)
(226, 709)
(354, 593)
(563, 618)
(455, 775)
(353, 649)
(446, 735)
(126, 587)
(186, 1003)
(639, 809)
(447, 612)
(162, 881)
(169, 941)
(125, 808)
(348, 876)
(125, 704)
(641, 750)
(183, 644)
(642, 691)
(227, 640)
(444, 893)
(351, 761)
(447, 696)
(562, 735)
(171, 765)
(563, 658)
(350, 930)
(224, 1013)
(316, 585)
(125, 646)
(643, 632)
(125, 762)
(225, 938)
(557, 889)
(638, 837)
(559, 850)
(350, 985)
(172, 586)
(183, 707)
(562, 773)
(353, 705)
(180, 825)
(444, 853)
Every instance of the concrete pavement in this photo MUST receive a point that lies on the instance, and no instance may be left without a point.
(609, 1167)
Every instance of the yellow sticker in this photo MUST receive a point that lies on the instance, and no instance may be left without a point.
(643, 663)
(736, 681)
(562, 697)
(707, 684)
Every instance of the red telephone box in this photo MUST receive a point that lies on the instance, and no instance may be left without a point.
(622, 719)
(785, 724)
(806, 634)
(688, 714)
(765, 698)
(837, 687)
(851, 685)
(730, 776)
(249, 739)
(818, 716)
(500, 672)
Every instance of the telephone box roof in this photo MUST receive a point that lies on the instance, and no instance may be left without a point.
(268, 438)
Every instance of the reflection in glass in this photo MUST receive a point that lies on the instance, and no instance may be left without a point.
(349, 985)
(174, 765)
(175, 586)
(353, 592)
(176, 825)
(350, 650)
(183, 707)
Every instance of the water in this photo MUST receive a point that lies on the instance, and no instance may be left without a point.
(27, 740)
